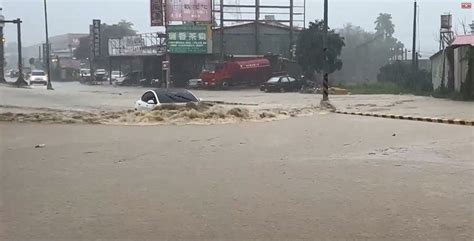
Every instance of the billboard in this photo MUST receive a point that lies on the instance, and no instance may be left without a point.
(95, 34)
(190, 39)
(156, 12)
(138, 45)
(189, 10)
(45, 52)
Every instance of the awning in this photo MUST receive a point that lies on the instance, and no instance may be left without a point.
(461, 40)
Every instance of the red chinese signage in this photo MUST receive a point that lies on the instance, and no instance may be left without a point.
(189, 10)
(156, 12)
(466, 5)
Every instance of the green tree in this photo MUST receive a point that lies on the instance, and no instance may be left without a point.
(118, 30)
(366, 52)
(354, 55)
(309, 49)
(384, 25)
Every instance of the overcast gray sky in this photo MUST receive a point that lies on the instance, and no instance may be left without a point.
(74, 16)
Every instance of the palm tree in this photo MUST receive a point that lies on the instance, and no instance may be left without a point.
(384, 25)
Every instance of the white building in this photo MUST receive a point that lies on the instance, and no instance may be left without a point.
(450, 66)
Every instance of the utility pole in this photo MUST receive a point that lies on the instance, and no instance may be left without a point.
(48, 55)
(291, 28)
(91, 53)
(325, 50)
(257, 32)
(417, 58)
(413, 51)
(39, 53)
(110, 70)
(221, 6)
(167, 61)
(2, 49)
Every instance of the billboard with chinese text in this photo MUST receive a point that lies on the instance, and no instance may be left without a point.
(156, 12)
(190, 39)
(95, 35)
(189, 10)
(139, 45)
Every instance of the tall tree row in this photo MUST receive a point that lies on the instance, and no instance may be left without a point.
(118, 30)
(366, 52)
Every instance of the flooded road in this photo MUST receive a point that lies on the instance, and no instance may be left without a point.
(315, 176)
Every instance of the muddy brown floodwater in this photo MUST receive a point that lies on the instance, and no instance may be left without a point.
(317, 176)
(191, 113)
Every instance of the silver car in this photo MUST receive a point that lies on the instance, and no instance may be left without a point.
(194, 83)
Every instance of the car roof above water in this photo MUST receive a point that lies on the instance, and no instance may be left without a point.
(175, 95)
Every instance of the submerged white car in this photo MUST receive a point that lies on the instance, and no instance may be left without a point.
(38, 77)
(156, 97)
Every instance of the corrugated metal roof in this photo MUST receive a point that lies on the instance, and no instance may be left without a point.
(464, 40)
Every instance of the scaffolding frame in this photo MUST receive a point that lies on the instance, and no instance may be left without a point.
(289, 14)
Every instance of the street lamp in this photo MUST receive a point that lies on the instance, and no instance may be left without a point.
(48, 52)
(413, 60)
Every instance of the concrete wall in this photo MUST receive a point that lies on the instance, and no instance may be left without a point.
(461, 65)
(237, 40)
(437, 71)
(456, 68)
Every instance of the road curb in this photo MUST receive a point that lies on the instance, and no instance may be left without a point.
(412, 118)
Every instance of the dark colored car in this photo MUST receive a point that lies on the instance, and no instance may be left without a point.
(281, 84)
(100, 75)
(131, 79)
(136, 78)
